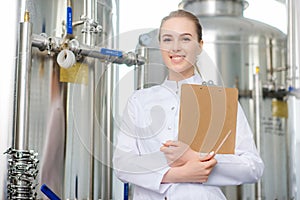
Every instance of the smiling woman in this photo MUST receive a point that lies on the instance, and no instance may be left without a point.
(148, 154)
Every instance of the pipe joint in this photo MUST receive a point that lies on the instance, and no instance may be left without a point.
(90, 25)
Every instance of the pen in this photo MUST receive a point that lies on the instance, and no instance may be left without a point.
(223, 141)
(213, 153)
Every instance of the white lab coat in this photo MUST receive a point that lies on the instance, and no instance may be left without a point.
(151, 118)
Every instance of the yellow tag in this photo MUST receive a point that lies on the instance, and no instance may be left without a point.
(78, 73)
(279, 109)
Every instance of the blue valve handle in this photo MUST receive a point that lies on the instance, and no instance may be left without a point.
(111, 52)
(49, 193)
(69, 21)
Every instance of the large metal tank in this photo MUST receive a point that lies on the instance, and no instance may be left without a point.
(250, 55)
(69, 121)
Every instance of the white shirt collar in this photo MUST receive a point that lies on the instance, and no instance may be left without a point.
(176, 85)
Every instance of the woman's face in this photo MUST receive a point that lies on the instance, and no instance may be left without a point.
(179, 46)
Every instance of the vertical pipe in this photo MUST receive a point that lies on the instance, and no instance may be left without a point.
(92, 131)
(257, 96)
(22, 163)
(115, 185)
(89, 9)
(106, 185)
(293, 41)
(108, 83)
(23, 85)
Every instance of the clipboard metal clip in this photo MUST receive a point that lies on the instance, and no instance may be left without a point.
(210, 82)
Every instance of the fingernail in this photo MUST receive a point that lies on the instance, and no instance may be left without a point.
(212, 153)
(203, 154)
(165, 144)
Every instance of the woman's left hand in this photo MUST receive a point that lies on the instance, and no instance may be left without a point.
(178, 153)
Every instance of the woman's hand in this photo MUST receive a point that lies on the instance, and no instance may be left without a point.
(196, 171)
(178, 153)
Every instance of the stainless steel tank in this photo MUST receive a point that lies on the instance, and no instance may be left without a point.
(69, 121)
(250, 55)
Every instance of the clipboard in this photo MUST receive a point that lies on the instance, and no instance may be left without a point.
(207, 115)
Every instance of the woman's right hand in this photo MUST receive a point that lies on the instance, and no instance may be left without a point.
(197, 170)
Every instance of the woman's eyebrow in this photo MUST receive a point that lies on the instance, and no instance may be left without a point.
(167, 35)
(180, 35)
(186, 34)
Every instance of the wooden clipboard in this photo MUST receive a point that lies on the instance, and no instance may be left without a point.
(207, 114)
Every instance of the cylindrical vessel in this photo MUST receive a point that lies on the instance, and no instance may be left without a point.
(69, 115)
(233, 47)
(23, 85)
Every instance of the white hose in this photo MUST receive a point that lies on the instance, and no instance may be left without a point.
(66, 58)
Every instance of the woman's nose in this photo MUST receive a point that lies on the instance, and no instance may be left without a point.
(176, 46)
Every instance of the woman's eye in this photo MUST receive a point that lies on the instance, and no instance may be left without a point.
(166, 39)
(186, 39)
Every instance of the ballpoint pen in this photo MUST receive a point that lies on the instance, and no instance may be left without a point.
(223, 141)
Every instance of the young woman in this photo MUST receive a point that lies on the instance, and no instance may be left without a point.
(147, 153)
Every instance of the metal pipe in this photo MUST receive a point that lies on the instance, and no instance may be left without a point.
(113, 56)
(92, 131)
(106, 89)
(141, 70)
(108, 128)
(23, 85)
(89, 9)
(40, 41)
(22, 163)
(293, 42)
(257, 97)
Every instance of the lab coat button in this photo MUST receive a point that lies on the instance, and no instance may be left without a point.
(173, 108)
(169, 128)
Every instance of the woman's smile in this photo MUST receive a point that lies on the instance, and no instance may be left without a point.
(176, 59)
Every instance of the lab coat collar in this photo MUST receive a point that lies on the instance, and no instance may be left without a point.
(176, 85)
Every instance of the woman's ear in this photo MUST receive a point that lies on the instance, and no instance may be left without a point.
(200, 46)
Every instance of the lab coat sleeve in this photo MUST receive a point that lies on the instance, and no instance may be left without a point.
(245, 166)
(130, 165)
